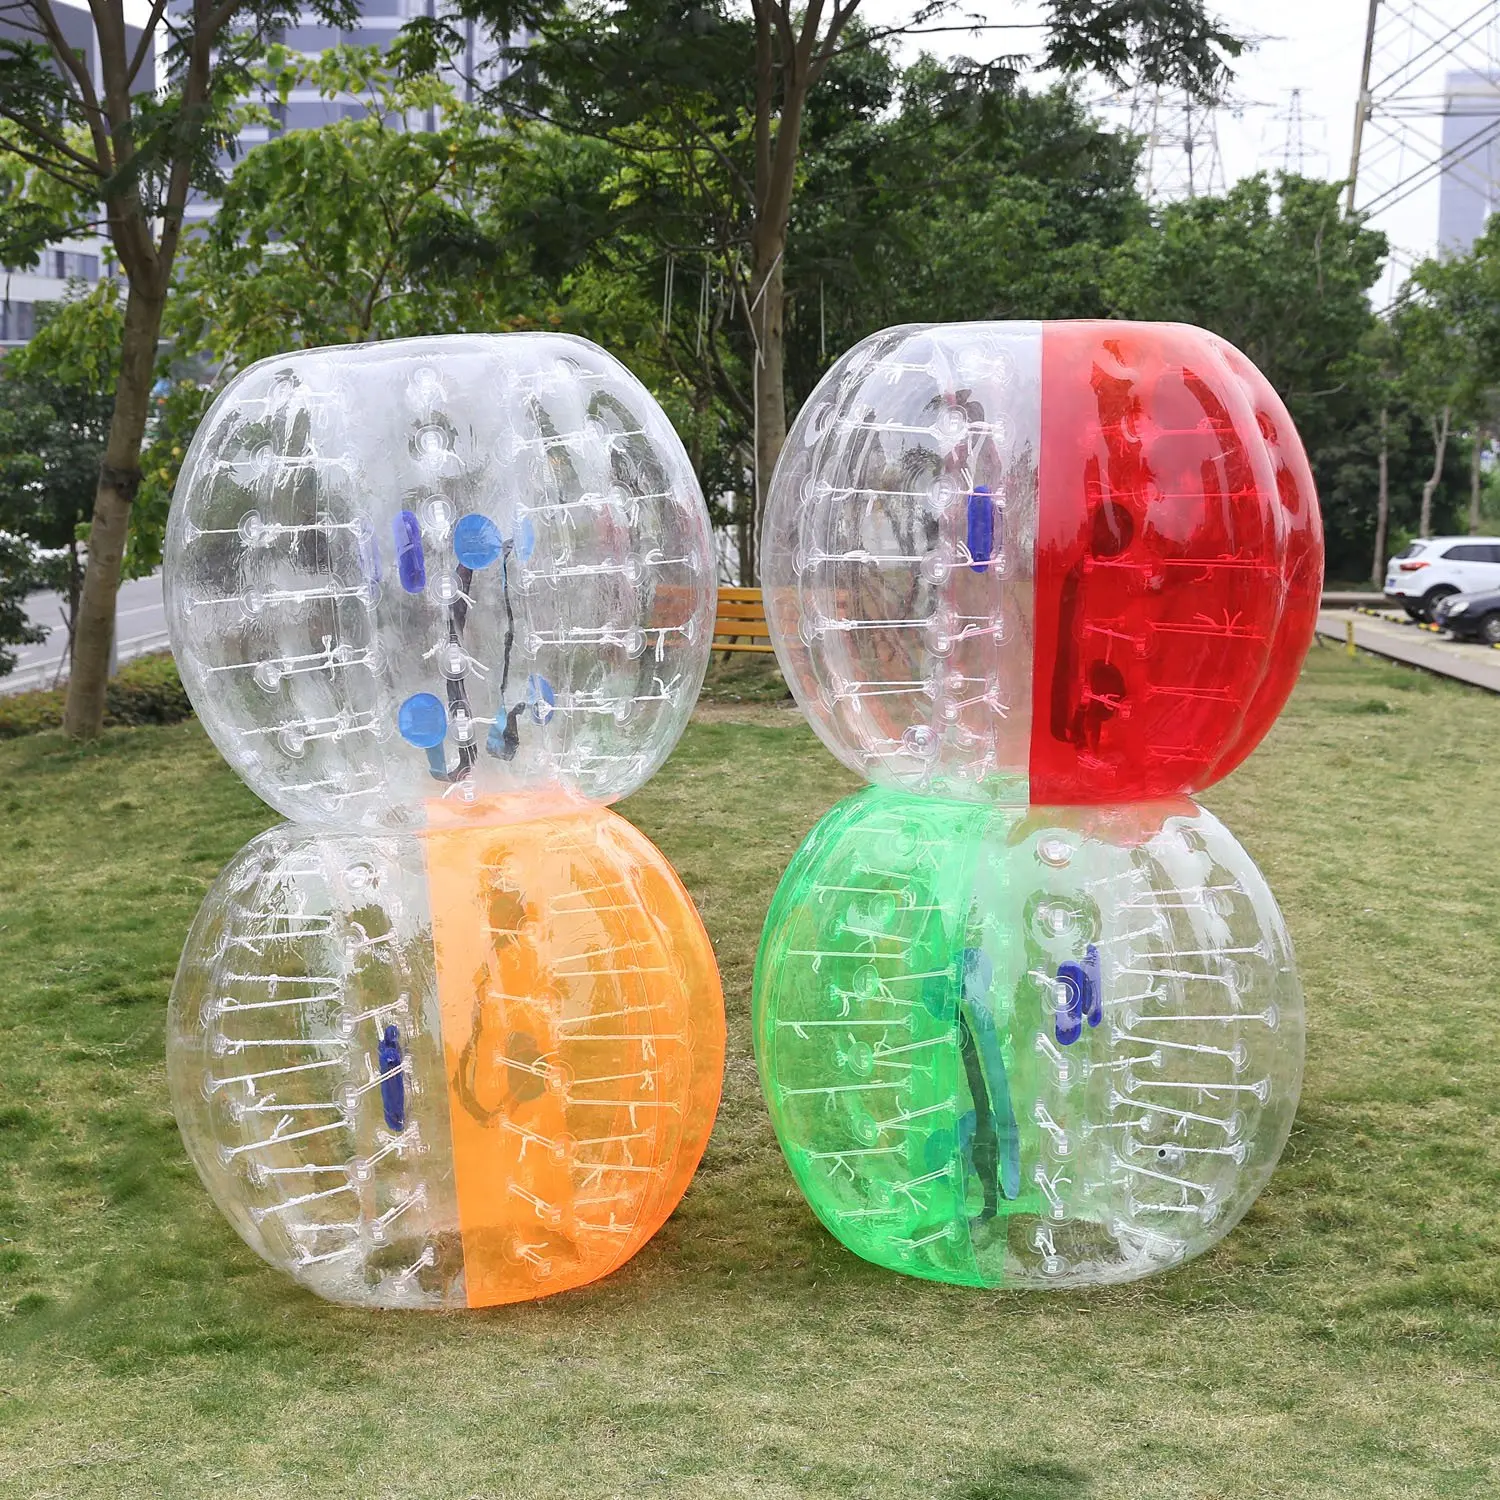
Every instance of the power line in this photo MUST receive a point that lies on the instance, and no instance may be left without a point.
(1438, 47)
(1399, 192)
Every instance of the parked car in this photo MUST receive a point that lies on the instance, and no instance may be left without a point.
(1471, 617)
(1442, 565)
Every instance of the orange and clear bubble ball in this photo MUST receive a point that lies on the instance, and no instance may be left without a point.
(469, 1067)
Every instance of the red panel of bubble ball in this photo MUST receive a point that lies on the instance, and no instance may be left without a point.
(1179, 562)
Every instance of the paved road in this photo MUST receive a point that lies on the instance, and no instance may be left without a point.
(1392, 635)
(140, 626)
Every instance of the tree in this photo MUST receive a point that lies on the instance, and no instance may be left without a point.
(953, 206)
(1380, 348)
(20, 575)
(1461, 293)
(921, 201)
(55, 413)
(695, 89)
(1436, 376)
(75, 146)
(374, 226)
(361, 229)
(1275, 267)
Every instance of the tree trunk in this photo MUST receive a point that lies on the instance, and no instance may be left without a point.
(119, 479)
(1475, 477)
(1439, 452)
(70, 609)
(1383, 500)
(75, 593)
(770, 383)
(776, 154)
(745, 505)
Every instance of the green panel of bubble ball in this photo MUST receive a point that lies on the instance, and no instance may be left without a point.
(876, 1032)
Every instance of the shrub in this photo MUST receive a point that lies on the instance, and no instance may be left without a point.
(144, 691)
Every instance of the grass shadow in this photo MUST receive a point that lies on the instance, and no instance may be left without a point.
(1023, 1480)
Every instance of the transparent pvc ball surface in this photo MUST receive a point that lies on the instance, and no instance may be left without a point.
(1045, 562)
(446, 568)
(457, 1069)
(1030, 1048)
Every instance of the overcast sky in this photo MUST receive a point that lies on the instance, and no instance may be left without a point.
(1314, 46)
(1311, 45)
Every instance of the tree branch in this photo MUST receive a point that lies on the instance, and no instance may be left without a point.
(195, 91)
(58, 144)
(148, 36)
(838, 22)
(781, 15)
(84, 84)
(728, 387)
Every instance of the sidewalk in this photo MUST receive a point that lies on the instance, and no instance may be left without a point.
(1479, 666)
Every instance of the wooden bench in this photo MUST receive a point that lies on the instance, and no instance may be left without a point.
(741, 625)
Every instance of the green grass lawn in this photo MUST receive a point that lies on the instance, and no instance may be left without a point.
(1342, 1342)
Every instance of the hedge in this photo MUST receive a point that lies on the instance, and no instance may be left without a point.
(144, 691)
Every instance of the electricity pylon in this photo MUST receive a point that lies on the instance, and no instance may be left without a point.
(1428, 112)
(1294, 154)
(1180, 152)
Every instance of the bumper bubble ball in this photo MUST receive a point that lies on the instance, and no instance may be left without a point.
(1025, 1015)
(454, 1036)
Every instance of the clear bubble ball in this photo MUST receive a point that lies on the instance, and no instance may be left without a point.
(439, 573)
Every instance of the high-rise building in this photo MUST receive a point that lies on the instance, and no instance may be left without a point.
(1470, 189)
(22, 290)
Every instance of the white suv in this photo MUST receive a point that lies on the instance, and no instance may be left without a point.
(1442, 565)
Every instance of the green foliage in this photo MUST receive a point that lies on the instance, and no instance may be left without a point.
(1275, 267)
(62, 161)
(1448, 328)
(93, 137)
(36, 210)
(77, 345)
(20, 574)
(920, 198)
(940, 191)
(371, 228)
(936, 204)
(178, 402)
(1445, 331)
(56, 405)
(144, 691)
(1171, 42)
(718, 117)
(361, 229)
(54, 418)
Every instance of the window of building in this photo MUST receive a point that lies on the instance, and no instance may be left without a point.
(17, 322)
(65, 264)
